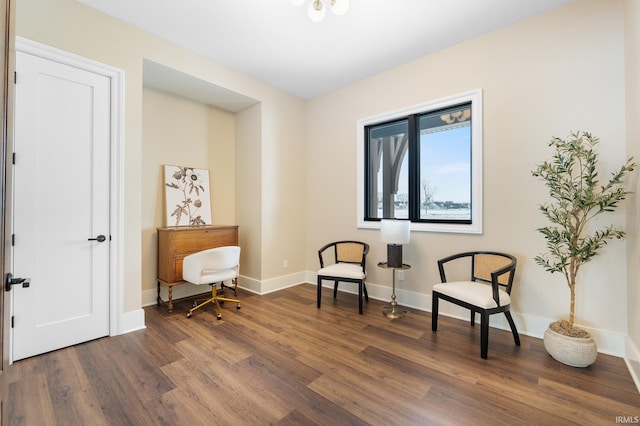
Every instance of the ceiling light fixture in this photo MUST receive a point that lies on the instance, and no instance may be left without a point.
(317, 9)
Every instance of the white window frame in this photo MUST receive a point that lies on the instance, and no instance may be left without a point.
(475, 97)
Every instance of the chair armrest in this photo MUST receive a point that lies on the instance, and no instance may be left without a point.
(321, 252)
(510, 268)
(444, 260)
(364, 258)
(498, 272)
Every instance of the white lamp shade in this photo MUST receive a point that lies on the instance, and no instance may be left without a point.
(395, 231)
(339, 7)
(317, 11)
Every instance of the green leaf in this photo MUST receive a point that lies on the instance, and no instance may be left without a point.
(576, 197)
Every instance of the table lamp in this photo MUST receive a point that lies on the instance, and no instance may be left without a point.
(395, 233)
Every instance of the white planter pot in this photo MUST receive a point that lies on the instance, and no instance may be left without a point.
(573, 351)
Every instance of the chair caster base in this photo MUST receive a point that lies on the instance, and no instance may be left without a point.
(238, 306)
(234, 289)
(189, 315)
(219, 316)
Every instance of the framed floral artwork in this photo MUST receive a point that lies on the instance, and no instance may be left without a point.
(187, 196)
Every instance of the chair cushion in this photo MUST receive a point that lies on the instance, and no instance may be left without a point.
(343, 270)
(472, 292)
(215, 276)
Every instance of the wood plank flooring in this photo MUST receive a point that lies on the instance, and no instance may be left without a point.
(281, 361)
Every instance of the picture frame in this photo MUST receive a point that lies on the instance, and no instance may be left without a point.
(187, 196)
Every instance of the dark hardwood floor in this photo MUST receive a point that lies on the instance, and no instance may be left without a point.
(279, 360)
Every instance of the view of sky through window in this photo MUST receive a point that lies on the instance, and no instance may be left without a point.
(445, 159)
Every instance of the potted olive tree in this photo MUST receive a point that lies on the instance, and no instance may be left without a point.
(577, 197)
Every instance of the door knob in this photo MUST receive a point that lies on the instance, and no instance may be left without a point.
(99, 238)
(13, 281)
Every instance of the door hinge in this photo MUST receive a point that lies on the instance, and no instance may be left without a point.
(15, 77)
(12, 317)
(13, 158)
(13, 239)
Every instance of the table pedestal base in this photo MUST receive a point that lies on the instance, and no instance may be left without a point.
(393, 312)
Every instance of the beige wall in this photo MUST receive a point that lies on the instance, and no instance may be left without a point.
(632, 47)
(177, 131)
(540, 78)
(73, 27)
(249, 200)
(283, 185)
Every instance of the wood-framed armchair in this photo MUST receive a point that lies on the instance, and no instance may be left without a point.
(344, 261)
(487, 292)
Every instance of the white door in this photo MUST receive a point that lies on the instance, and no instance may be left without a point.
(61, 206)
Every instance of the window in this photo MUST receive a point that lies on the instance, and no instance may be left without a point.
(423, 164)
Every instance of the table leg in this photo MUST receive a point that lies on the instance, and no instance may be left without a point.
(393, 311)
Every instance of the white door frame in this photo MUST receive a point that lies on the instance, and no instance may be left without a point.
(116, 213)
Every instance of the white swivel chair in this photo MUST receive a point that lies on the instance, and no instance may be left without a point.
(211, 267)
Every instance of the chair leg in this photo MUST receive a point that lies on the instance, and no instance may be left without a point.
(484, 334)
(206, 302)
(198, 307)
(319, 297)
(218, 309)
(360, 297)
(366, 294)
(514, 330)
(217, 301)
(335, 289)
(434, 313)
(473, 318)
(234, 281)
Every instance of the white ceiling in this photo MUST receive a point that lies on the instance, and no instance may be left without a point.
(275, 41)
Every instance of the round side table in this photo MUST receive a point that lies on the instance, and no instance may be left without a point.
(392, 310)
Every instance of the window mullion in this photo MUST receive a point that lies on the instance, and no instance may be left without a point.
(414, 168)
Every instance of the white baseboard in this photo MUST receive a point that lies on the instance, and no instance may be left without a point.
(245, 283)
(632, 359)
(132, 321)
(608, 342)
(149, 297)
(280, 283)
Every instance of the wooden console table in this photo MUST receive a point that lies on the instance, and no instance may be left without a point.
(174, 243)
